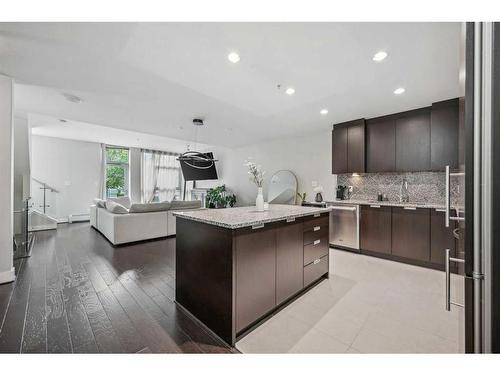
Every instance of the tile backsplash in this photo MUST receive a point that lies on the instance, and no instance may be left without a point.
(423, 187)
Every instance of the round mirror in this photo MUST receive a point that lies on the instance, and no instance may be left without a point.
(282, 188)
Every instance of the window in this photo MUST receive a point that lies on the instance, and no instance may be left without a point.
(117, 172)
(161, 176)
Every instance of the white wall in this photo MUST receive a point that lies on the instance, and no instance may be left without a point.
(308, 157)
(71, 167)
(6, 183)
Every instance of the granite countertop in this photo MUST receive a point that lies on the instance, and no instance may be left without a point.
(390, 203)
(240, 217)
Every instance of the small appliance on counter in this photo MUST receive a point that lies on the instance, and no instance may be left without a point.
(343, 192)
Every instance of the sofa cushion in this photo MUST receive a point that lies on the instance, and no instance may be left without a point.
(124, 201)
(116, 208)
(149, 207)
(184, 205)
(100, 203)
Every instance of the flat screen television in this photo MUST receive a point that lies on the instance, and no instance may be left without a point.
(196, 174)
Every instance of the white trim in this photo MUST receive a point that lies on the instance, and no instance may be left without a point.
(7, 276)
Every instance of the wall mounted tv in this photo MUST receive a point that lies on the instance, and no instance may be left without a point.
(195, 174)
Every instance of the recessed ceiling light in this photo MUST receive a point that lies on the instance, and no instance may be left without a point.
(399, 91)
(379, 56)
(62, 120)
(233, 57)
(290, 91)
(72, 98)
(324, 111)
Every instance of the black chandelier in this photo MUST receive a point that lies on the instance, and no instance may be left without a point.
(197, 160)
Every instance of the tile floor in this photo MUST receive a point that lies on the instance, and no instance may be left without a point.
(368, 305)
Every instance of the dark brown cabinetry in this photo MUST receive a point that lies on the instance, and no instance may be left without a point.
(348, 147)
(381, 144)
(411, 233)
(441, 237)
(255, 274)
(444, 134)
(289, 260)
(413, 138)
(375, 229)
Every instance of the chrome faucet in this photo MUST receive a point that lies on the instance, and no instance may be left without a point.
(403, 191)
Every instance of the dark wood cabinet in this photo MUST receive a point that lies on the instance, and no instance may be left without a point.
(289, 258)
(381, 144)
(441, 237)
(413, 137)
(255, 274)
(348, 147)
(356, 147)
(339, 149)
(444, 134)
(411, 233)
(375, 229)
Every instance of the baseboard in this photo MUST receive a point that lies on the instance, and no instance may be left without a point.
(7, 276)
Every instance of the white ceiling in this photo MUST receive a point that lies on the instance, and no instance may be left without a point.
(155, 77)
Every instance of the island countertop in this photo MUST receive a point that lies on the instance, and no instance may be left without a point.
(240, 217)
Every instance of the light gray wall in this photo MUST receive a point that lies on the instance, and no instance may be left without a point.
(6, 183)
(71, 167)
(308, 157)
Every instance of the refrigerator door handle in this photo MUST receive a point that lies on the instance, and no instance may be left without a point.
(447, 261)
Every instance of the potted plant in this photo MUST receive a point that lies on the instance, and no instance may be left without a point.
(302, 197)
(217, 197)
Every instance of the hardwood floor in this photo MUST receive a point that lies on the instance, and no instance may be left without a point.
(79, 294)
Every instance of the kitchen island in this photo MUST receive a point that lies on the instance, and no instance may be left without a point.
(236, 266)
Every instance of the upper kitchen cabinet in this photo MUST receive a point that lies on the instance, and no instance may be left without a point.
(444, 134)
(381, 144)
(413, 139)
(348, 147)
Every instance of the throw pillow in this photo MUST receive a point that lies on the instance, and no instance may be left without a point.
(149, 207)
(100, 203)
(116, 208)
(124, 201)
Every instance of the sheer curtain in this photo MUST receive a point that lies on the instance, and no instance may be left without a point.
(160, 175)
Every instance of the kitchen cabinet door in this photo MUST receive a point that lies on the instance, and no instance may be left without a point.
(444, 134)
(289, 258)
(375, 229)
(255, 274)
(381, 145)
(339, 149)
(411, 233)
(441, 238)
(356, 147)
(413, 141)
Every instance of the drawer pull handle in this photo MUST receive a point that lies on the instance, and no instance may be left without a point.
(410, 208)
(316, 242)
(374, 206)
(317, 215)
(258, 226)
(317, 261)
(290, 220)
(316, 228)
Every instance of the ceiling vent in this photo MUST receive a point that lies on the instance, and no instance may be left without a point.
(72, 98)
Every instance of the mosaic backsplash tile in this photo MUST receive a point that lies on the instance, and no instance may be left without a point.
(423, 187)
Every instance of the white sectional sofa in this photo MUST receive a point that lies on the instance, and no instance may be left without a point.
(122, 228)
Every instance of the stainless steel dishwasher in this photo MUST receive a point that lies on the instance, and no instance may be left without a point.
(344, 226)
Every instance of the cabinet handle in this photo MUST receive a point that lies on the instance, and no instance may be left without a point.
(409, 208)
(440, 210)
(317, 215)
(290, 220)
(258, 226)
(315, 229)
(374, 206)
(317, 261)
(316, 242)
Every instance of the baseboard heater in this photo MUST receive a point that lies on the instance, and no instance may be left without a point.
(75, 218)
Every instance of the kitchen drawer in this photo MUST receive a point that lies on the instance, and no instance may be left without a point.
(314, 234)
(315, 270)
(310, 222)
(316, 249)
